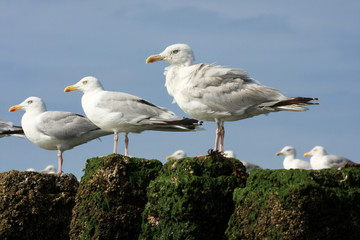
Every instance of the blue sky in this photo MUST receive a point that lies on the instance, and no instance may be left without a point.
(303, 48)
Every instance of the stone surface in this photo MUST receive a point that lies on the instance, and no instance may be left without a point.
(298, 204)
(192, 198)
(35, 205)
(111, 197)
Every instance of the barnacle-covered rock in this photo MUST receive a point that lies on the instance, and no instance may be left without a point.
(192, 198)
(111, 197)
(36, 206)
(298, 204)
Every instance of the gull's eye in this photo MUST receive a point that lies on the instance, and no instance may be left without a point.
(29, 102)
(175, 51)
(85, 82)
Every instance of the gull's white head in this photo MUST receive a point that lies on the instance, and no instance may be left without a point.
(49, 169)
(177, 155)
(229, 154)
(177, 54)
(316, 151)
(86, 84)
(30, 104)
(287, 151)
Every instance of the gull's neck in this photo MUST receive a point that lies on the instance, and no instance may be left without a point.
(96, 88)
(90, 96)
(289, 157)
(36, 111)
(320, 153)
(89, 93)
(173, 68)
(29, 117)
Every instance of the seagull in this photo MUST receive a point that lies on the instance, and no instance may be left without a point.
(320, 159)
(290, 162)
(121, 112)
(216, 93)
(177, 155)
(229, 154)
(9, 129)
(49, 169)
(249, 166)
(55, 130)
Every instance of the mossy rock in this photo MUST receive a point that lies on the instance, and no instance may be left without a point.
(192, 198)
(111, 197)
(298, 204)
(36, 206)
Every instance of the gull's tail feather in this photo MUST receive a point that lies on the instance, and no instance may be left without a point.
(16, 133)
(296, 100)
(8, 129)
(177, 124)
(292, 104)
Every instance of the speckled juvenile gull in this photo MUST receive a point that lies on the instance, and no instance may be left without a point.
(290, 161)
(55, 130)
(177, 155)
(249, 166)
(9, 129)
(216, 93)
(122, 112)
(320, 159)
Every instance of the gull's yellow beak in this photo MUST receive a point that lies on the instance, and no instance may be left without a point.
(70, 88)
(14, 108)
(307, 154)
(154, 58)
(279, 153)
(169, 158)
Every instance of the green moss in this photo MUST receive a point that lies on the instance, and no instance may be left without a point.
(301, 204)
(192, 198)
(92, 166)
(89, 230)
(111, 197)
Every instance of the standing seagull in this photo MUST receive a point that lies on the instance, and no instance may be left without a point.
(216, 93)
(9, 129)
(290, 162)
(122, 112)
(320, 159)
(55, 130)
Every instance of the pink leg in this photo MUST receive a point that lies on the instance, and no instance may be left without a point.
(218, 132)
(60, 163)
(222, 136)
(126, 144)
(115, 141)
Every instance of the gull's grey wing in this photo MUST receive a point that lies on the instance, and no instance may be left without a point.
(65, 125)
(142, 114)
(250, 166)
(227, 89)
(337, 161)
(132, 108)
